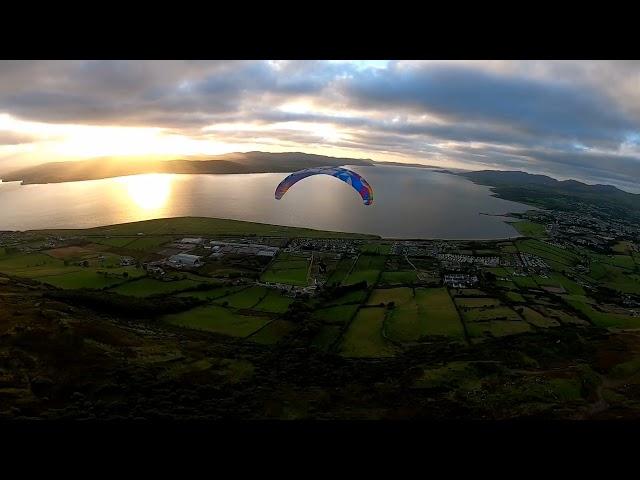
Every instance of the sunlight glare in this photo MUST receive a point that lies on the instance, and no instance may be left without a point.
(148, 192)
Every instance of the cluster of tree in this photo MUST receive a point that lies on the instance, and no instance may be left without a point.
(116, 304)
(335, 291)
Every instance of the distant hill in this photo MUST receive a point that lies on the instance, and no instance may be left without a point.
(250, 162)
(547, 192)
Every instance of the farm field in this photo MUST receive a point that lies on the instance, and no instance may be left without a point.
(205, 226)
(515, 297)
(117, 242)
(213, 318)
(496, 328)
(274, 302)
(367, 268)
(600, 318)
(537, 319)
(440, 312)
(488, 313)
(399, 296)
(326, 337)
(419, 313)
(557, 256)
(273, 332)
(376, 248)
(339, 314)
(288, 269)
(90, 278)
(530, 229)
(398, 278)
(477, 302)
(364, 336)
(244, 299)
(145, 287)
(342, 269)
(147, 244)
(353, 297)
(212, 293)
(32, 265)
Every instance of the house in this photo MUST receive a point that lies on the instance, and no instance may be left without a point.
(155, 270)
(192, 241)
(185, 260)
(127, 261)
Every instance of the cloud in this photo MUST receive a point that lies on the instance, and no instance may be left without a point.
(13, 138)
(557, 117)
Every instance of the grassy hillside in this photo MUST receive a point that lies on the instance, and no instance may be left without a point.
(201, 226)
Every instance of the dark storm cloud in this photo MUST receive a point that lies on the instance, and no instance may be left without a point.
(463, 94)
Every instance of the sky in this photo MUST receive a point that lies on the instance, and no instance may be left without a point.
(567, 119)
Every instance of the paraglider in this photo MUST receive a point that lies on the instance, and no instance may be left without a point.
(344, 174)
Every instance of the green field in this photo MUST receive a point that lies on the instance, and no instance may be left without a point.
(146, 244)
(524, 282)
(90, 278)
(491, 313)
(340, 272)
(515, 297)
(530, 229)
(600, 318)
(615, 278)
(288, 269)
(537, 319)
(213, 318)
(564, 317)
(440, 312)
(477, 302)
(399, 296)
(53, 271)
(497, 328)
(244, 299)
(367, 268)
(32, 265)
(212, 293)
(376, 248)
(118, 242)
(364, 336)
(339, 314)
(548, 252)
(326, 337)
(203, 226)
(274, 302)
(273, 332)
(353, 297)
(557, 279)
(405, 277)
(430, 312)
(146, 287)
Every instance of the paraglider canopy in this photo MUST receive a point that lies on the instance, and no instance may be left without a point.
(344, 174)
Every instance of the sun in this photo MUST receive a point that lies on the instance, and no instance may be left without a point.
(148, 192)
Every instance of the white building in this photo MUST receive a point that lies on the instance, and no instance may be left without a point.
(192, 241)
(185, 260)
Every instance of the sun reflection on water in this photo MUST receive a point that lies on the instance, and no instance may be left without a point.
(148, 192)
